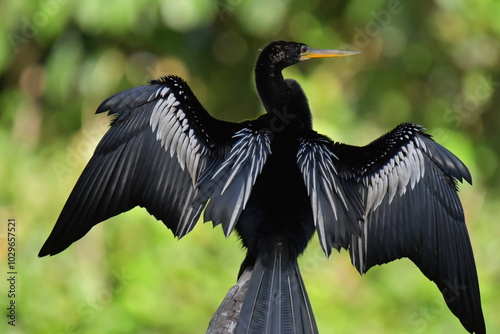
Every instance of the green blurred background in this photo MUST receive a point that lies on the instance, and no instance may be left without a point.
(431, 62)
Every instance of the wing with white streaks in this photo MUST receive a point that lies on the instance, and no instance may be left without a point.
(334, 219)
(411, 209)
(230, 185)
(158, 145)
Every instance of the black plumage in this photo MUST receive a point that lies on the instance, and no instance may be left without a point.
(276, 181)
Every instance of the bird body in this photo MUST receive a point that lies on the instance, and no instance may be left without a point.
(275, 181)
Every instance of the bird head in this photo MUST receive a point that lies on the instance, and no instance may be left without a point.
(282, 54)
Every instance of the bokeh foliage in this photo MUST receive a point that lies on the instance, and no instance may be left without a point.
(431, 62)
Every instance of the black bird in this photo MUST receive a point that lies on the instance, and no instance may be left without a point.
(276, 181)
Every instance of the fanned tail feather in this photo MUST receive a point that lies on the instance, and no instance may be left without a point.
(276, 301)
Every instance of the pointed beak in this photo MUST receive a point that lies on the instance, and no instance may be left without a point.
(317, 53)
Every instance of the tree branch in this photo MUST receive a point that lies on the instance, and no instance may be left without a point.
(226, 317)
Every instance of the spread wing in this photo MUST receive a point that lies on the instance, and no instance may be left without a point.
(334, 217)
(161, 145)
(406, 185)
(231, 184)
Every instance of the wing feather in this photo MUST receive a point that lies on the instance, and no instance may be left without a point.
(411, 209)
(159, 143)
(334, 220)
(231, 183)
(394, 198)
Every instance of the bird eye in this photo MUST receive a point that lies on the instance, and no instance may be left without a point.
(304, 49)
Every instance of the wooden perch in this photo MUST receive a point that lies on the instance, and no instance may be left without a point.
(226, 317)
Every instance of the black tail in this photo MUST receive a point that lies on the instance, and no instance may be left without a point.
(276, 301)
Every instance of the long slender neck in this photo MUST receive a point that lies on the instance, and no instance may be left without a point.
(270, 85)
(281, 97)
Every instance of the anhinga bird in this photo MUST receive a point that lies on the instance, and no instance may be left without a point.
(276, 181)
